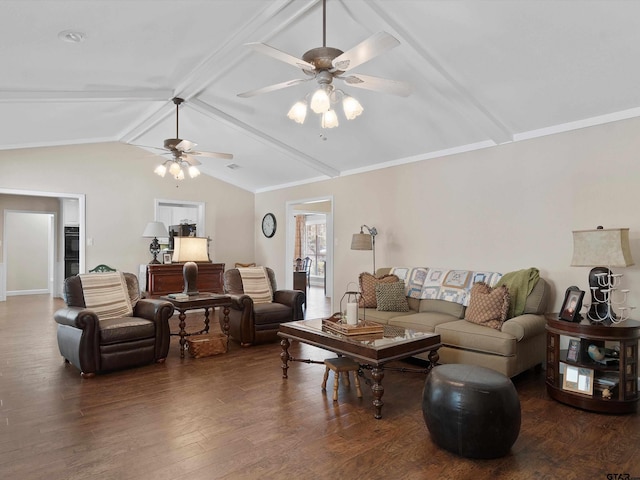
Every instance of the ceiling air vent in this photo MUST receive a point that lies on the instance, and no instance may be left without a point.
(233, 166)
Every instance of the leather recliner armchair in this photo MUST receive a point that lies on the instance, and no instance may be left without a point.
(250, 322)
(95, 346)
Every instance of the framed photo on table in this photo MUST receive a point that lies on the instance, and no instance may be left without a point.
(572, 305)
(166, 258)
(577, 379)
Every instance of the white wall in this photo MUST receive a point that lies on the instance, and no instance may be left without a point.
(120, 189)
(27, 245)
(499, 209)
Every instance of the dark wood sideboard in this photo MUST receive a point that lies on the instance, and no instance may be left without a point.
(163, 279)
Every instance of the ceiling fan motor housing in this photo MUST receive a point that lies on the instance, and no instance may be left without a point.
(322, 58)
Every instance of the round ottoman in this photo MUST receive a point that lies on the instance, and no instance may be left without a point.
(471, 411)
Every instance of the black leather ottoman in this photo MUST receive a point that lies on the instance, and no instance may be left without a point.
(471, 411)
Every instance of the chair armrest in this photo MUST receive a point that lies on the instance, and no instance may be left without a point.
(77, 317)
(525, 326)
(289, 297)
(153, 309)
(241, 301)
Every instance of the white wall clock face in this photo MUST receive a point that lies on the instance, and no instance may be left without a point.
(269, 225)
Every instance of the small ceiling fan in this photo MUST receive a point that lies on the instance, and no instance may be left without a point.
(182, 153)
(324, 64)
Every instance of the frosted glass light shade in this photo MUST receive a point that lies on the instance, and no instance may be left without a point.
(298, 112)
(601, 247)
(352, 107)
(329, 119)
(320, 101)
(175, 169)
(193, 171)
(190, 249)
(161, 170)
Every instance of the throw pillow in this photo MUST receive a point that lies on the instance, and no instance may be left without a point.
(368, 284)
(488, 306)
(390, 297)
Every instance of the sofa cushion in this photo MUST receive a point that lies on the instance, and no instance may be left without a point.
(488, 306)
(383, 317)
(368, 284)
(471, 336)
(422, 322)
(442, 306)
(390, 297)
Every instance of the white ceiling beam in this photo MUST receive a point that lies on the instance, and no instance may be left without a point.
(308, 160)
(15, 96)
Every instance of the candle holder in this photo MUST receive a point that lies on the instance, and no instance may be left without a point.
(608, 301)
(352, 298)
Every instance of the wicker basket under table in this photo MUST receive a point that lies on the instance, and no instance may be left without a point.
(207, 345)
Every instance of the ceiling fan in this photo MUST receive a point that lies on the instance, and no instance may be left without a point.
(182, 153)
(324, 64)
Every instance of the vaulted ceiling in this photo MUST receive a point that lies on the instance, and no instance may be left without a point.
(482, 72)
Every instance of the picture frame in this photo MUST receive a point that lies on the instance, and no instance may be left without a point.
(573, 352)
(166, 258)
(578, 379)
(572, 304)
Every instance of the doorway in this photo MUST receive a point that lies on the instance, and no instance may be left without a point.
(29, 250)
(313, 220)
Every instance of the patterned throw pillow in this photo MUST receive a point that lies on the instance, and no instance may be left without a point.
(391, 297)
(368, 284)
(488, 306)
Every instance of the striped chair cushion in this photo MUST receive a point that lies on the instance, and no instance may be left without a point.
(106, 294)
(255, 283)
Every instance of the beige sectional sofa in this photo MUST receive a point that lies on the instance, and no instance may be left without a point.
(517, 346)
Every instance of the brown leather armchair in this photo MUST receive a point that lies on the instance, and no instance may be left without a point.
(250, 322)
(95, 346)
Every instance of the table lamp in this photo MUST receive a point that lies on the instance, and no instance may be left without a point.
(190, 250)
(597, 248)
(155, 230)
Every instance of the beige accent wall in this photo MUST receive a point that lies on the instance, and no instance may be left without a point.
(120, 189)
(499, 209)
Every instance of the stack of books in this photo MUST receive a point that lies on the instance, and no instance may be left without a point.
(179, 296)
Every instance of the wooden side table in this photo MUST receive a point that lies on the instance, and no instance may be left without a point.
(205, 301)
(621, 376)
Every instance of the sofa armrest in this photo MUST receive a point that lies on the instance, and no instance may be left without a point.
(525, 326)
(292, 298)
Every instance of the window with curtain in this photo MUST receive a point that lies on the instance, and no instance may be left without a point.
(314, 243)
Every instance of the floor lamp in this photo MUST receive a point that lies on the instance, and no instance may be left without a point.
(365, 241)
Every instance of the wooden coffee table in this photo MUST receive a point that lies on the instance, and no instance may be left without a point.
(372, 352)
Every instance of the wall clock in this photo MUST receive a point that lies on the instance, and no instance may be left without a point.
(269, 225)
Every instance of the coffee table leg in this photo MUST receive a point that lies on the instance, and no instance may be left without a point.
(377, 373)
(284, 356)
(182, 332)
(225, 323)
(206, 319)
(433, 358)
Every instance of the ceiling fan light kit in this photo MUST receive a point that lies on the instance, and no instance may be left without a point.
(183, 157)
(324, 64)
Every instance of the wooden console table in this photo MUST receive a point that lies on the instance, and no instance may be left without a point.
(623, 374)
(163, 279)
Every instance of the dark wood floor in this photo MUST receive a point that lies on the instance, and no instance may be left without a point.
(232, 416)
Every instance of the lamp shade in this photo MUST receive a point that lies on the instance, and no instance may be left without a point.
(154, 230)
(601, 247)
(361, 241)
(190, 249)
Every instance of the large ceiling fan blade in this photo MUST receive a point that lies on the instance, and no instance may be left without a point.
(280, 55)
(272, 88)
(377, 84)
(227, 156)
(363, 52)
